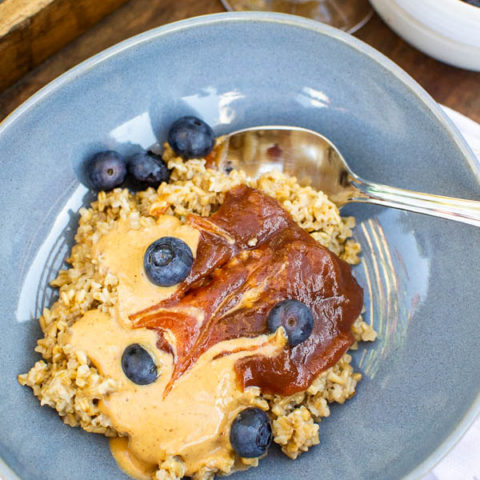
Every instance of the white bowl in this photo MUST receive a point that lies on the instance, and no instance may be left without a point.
(448, 30)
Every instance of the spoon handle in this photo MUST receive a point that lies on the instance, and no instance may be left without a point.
(460, 210)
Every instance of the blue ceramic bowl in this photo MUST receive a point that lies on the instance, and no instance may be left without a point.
(420, 274)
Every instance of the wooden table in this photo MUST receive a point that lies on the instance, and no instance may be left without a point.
(456, 88)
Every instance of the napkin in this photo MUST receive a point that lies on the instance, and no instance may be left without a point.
(469, 129)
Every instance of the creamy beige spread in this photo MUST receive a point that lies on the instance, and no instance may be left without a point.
(121, 252)
(193, 419)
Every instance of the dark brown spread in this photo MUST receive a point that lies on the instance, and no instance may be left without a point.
(252, 255)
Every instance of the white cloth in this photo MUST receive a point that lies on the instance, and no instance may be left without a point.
(470, 129)
(463, 461)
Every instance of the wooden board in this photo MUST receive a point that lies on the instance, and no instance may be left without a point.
(31, 30)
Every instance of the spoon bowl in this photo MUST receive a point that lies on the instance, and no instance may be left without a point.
(314, 160)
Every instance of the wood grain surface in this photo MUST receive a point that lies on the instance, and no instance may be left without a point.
(31, 30)
(456, 88)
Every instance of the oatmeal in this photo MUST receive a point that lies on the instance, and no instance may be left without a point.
(211, 361)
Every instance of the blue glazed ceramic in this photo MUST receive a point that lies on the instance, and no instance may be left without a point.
(420, 274)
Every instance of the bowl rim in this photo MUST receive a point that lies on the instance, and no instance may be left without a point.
(291, 21)
(459, 6)
(455, 47)
(440, 18)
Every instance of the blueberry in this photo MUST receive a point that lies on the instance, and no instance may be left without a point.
(138, 365)
(168, 261)
(295, 317)
(149, 169)
(191, 137)
(107, 170)
(251, 433)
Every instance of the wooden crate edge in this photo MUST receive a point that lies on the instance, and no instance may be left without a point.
(38, 28)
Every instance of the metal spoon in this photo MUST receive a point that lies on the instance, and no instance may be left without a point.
(315, 161)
